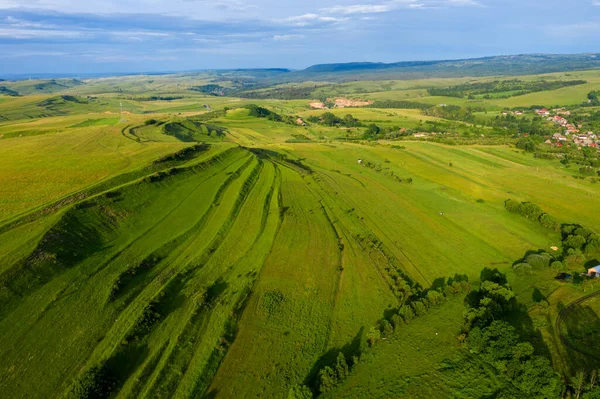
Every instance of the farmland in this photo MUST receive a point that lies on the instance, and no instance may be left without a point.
(161, 241)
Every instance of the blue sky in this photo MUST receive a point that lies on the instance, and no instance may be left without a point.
(93, 36)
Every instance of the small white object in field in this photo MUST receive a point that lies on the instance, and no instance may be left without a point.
(360, 161)
(441, 213)
(437, 333)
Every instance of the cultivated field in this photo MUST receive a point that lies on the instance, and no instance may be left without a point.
(190, 247)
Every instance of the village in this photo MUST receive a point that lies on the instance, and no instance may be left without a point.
(572, 134)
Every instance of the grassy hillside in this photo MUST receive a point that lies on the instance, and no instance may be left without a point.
(196, 246)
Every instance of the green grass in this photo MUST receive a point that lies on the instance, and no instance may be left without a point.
(239, 269)
(422, 360)
(97, 122)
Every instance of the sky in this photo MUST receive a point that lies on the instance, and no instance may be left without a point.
(126, 36)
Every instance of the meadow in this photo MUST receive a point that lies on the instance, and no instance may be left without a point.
(186, 248)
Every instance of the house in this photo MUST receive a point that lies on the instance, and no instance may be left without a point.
(300, 122)
(542, 112)
(594, 271)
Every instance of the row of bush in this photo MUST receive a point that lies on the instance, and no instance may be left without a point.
(532, 212)
(419, 305)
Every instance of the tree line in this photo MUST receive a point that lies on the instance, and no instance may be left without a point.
(510, 88)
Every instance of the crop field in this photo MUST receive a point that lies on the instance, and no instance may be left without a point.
(204, 245)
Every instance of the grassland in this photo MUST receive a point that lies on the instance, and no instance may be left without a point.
(184, 248)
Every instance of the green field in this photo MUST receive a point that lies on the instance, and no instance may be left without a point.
(188, 248)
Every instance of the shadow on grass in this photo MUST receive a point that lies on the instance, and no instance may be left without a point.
(351, 349)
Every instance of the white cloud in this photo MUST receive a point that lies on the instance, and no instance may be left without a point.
(311, 19)
(288, 37)
(358, 9)
(17, 33)
(395, 5)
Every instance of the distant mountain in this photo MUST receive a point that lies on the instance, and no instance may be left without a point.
(486, 66)
(354, 66)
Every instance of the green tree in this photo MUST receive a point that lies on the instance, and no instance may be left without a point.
(341, 367)
(420, 308)
(373, 336)
(329, 119)
(407, 313)
(386, 329)
(522, 268)
(300, 392)
(327, 379)
(435, 297)
(372, 130)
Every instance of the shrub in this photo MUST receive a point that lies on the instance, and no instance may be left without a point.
(327, 379)
(575, 241)
(96, 382)
(386, 329)
(397, 321)
(556, 265)
(522, 268)
(407, 313)
(373, 336)
(549, 222)
(300, 392)
(539, 261)
(434, 297)
(420, 308)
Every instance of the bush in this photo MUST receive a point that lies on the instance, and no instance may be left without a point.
(386, 329)
(397, 321)
(300, 392)
(556, 265)
(420, 308)
(407, 313)
(434, 297)
(522, 268)
(96, 382)
(539, 261)
(373, 336)
(575, 242)
(549, 222)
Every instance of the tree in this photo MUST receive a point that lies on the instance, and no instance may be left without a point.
(522, 268)
(434, 297)
(578, 383)
(539, 261)
(537, 379)
(341, 367)
(420, 308)
(386, 328)
(329, 119)
(300, 392)
(327, 379)
(526, 144)
(350, 121)
(556, 265)
(397, 321)
(373, 336)
(593, 379)
(372, 130)
(407, 313)
(575, 242)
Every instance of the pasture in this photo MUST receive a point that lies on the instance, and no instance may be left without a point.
(161, 251)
